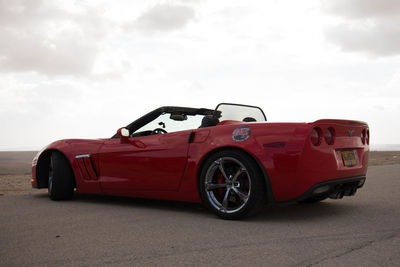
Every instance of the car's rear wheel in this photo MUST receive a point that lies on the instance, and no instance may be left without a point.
(61, 177)
(231, 185)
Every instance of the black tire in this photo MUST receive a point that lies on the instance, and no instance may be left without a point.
(312, 200)
(238, 193)
(61, 178)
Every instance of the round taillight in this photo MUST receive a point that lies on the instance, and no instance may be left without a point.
(329, 135)
(315, 136)
(367, 137)
(363, 136)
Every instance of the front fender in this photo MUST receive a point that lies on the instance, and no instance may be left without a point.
(69, 148)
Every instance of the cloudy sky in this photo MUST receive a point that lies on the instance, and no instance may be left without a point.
(83, 69)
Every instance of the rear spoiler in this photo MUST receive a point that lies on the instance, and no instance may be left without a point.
(341, 122)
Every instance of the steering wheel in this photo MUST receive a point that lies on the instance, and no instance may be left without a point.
(158, 131)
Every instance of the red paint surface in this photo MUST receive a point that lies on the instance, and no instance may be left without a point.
(166, 166)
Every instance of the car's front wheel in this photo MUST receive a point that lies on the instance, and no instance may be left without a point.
(231, 185)
(61, 177)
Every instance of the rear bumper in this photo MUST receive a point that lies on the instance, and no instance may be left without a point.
(336, 188)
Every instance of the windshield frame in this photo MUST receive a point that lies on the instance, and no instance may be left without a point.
(153, 115)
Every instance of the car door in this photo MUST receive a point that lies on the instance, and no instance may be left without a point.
(147, 163)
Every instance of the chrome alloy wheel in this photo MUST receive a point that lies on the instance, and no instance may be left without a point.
(227, 185)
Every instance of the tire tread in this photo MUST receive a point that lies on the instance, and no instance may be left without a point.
(63, 178)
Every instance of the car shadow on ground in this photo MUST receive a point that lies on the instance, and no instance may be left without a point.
(304, 212)
(270, 213)
(132, 202)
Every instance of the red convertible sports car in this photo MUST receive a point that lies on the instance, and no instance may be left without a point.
(230, 159)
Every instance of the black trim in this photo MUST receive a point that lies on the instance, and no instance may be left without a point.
(191, 137)
(268, 186)
(333, 183)
(137, 124)
(275, 144)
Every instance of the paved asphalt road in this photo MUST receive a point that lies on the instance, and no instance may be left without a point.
(92, 230)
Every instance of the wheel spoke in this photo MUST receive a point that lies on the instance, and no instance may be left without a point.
(225, 201)
(214, 186)
(242, 196)
(230, 174)
(222, 170)
(238, 173)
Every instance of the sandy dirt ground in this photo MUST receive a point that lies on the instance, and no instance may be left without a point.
(15, 169)
(15, 172)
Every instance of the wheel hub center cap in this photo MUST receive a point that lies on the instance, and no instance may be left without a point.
(231, 185)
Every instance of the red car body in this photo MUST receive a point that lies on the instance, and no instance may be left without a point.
(293, 158)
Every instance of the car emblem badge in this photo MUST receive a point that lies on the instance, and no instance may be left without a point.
(241, 133)
(350, 132)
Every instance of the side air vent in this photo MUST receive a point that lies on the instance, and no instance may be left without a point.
(86, 167)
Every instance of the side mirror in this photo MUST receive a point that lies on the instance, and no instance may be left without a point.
(123, 134)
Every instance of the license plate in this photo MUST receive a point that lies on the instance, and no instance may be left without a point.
(349, 158)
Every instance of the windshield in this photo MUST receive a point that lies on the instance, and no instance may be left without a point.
(240, 113)
(165, 122)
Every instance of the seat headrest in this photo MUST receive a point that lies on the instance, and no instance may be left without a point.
(249, 119)
(209, 121)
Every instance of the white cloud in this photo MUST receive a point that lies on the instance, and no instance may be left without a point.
(367, 26)
(359, 9)
(46, 38)
(163, 17)
(73, 69)
(378, 38)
